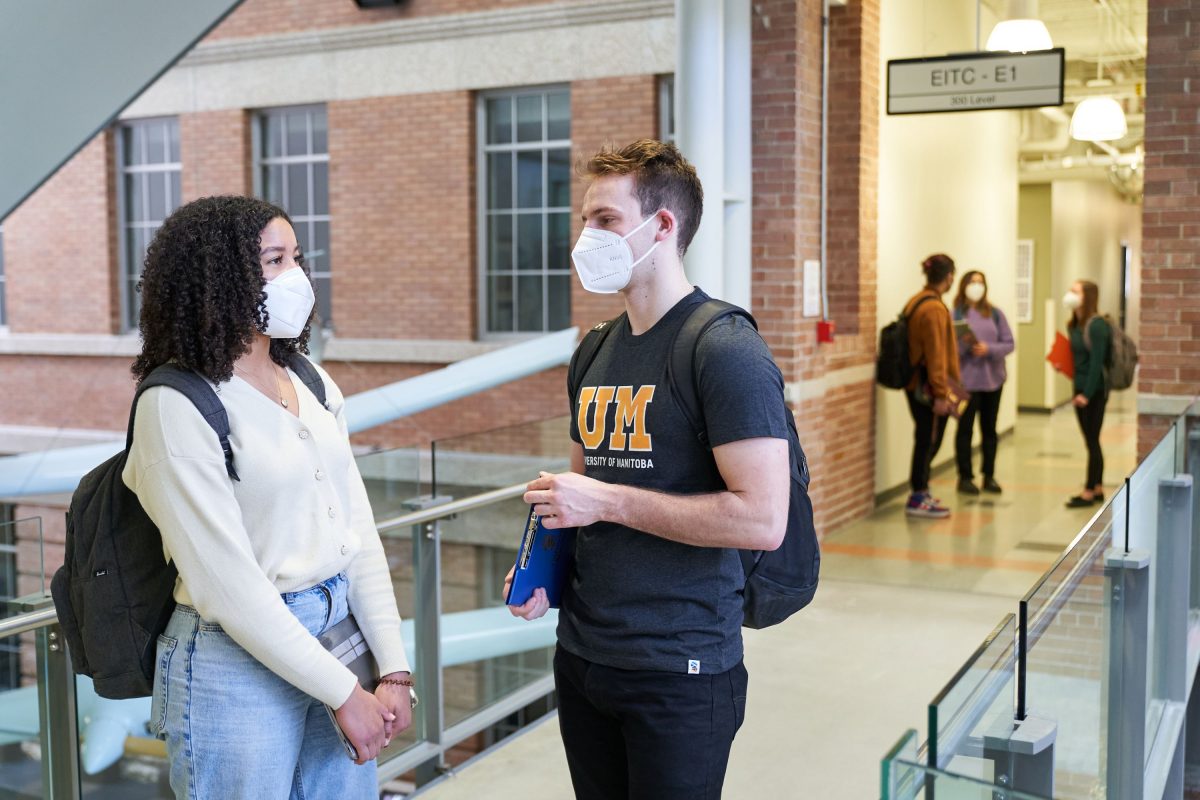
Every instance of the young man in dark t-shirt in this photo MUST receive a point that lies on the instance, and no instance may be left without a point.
(649, 668)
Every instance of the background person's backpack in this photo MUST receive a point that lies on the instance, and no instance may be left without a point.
(114, 593)
(778, 582)
(892, 367)
(1120, 365)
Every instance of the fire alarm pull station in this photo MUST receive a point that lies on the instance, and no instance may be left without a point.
(825, 331)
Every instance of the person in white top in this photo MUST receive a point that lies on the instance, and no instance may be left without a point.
(269, 561)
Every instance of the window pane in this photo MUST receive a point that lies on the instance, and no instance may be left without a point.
(529, 118)
(156, 138)
(319, 260)
(500, 180)
(173, 141)
(157, 183)
(135, 251)
(529, 179)
(297, 189)
(272, 127)
(320, 132)
(558, 290)
(558, 241)
(3, 310)
(529, 303)
(297, 133)
(529, 242)
(135, 200)
(323, 289)
(558, 108)
(135, 140)
(304, 234)
(320, 198)
(500, 304)
(499, 120)
(273, 184)
(558, 178)
(176, 199)
(500, 243)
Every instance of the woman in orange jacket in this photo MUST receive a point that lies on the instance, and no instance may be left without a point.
(933, 351)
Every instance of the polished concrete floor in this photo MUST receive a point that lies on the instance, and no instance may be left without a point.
(902, 604)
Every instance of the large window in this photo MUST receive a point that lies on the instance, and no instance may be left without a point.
(149, 169)
(666, 108)
(525, 210)
(3, 286)
(292, 155)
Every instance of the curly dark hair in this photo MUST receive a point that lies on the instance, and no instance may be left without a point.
(202, 289)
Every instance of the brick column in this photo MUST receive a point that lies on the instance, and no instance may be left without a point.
(215, 149)
(1170, 316)
(830, 386)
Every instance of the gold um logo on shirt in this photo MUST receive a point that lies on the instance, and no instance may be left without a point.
(629, 428)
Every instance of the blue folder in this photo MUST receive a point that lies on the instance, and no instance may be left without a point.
(543, 561)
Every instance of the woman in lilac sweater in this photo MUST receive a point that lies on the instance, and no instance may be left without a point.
(981, 355)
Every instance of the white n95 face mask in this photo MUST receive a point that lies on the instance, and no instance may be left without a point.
(975, 292)
(1072, 301)
(604, 260)
(289, 303)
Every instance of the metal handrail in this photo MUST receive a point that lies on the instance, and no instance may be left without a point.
(32, 620)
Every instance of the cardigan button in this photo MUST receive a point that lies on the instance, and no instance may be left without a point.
(303, 434)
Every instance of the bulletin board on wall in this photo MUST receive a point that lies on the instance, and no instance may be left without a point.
(1025, 280)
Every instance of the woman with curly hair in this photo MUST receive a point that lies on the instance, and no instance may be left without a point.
(268, 561)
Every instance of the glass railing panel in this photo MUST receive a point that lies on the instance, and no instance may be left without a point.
(949, 786)
(404, 564)
(1142, 525)
(978, 698)
(1067, 646)
(395, 480)
(479, 462)
(22, 573)
(900, 778)
(487, 654)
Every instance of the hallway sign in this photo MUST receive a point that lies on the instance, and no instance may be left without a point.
(975, 82)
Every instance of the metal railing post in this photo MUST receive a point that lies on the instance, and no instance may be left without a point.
(1024, 756)
(1171, 599)
(1127, 582)
(1193, 469)
(57, 714)
(427, 635)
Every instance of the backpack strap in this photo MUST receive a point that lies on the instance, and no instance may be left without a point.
(200, 393)
(308, 373)
(907, 313)
(681, 368)
(585, 354)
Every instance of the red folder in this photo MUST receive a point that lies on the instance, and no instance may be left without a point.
(1060, 356)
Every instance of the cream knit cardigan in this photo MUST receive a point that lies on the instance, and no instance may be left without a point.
(298, 516)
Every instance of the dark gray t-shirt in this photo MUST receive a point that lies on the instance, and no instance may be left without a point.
(638, 601)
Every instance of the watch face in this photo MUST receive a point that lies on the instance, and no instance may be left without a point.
(412, 693)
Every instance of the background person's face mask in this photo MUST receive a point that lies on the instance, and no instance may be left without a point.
(603, 259)
(289, 303)
(975, 292)
(1072, 301)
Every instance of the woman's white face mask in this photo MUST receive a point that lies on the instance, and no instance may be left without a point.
(289, 303)
(975, 292)
(603, 259)
(1072, 301)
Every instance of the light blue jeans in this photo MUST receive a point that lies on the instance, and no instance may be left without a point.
(234, 729)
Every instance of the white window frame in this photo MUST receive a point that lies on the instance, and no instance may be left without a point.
(262, 162)
(481, 227)
(129, 320)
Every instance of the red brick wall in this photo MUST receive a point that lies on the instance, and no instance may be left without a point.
(215, 150)
(606, 111)
(259, 17)
(59, 247)
(836, 429)
(402, 199)
(68, 392)
(1170, 321)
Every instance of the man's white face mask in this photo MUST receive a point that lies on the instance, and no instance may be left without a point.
(603, 259)
(289, 303)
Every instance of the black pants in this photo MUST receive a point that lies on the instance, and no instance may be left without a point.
(1091, 419)
(928, 431)
(987, 406)
(652, 735)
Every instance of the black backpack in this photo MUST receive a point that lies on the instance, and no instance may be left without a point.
(114, 593)
(892, 367)
(778, 582)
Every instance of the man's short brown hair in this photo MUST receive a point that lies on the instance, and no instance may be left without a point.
(662, 177)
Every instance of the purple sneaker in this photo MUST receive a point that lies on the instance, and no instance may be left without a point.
(925, 505)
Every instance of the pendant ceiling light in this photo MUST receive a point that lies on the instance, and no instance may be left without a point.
(1098, 119)
(1022, 31)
